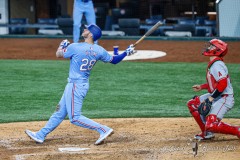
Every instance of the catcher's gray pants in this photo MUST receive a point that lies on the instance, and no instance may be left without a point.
(221, 105)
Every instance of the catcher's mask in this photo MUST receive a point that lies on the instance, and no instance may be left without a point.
(216, 47)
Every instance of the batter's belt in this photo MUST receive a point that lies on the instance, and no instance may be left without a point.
(85, 1)
(70, 80)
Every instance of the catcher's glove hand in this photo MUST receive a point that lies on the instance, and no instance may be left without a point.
(205, 107)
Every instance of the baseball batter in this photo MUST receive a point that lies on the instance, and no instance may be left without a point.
(80, 8)
(83, 56)
(209, 109)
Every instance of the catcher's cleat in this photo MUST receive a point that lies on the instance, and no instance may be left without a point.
(104, 136)
(33, 136)
(207, 136)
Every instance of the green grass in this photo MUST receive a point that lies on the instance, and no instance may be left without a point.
(30, 89)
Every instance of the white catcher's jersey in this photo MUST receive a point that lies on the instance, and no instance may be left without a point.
(218, 71)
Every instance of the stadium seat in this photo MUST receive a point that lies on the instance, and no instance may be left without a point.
(200, 20)
(48, 31)
(153, 19)
(213, 24)
(200, 32)
(66, 25)
(185, 27)
(101, 11)
(130, 26)
(18, 30)
(47, 21)
(182, 30)
(162, 29)
(210, 23)
(187, 21)
(108, 23)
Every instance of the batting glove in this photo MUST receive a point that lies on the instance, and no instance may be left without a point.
(130, 50)
(64, 44)
(62, 48)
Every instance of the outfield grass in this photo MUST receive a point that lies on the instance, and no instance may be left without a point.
(30, 89)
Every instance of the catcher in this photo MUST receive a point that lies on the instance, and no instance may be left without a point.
(209, 109)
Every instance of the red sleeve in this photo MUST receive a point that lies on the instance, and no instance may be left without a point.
(205, 86)
(222, 84)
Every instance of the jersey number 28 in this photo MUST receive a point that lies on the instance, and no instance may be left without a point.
(87, 65)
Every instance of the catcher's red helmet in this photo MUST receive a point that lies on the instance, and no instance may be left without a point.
(216, 47)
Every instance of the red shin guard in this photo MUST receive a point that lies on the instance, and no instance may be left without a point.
(198, 119)
(192, 106)
(216, 126)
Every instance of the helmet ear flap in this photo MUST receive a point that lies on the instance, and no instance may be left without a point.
(223, 53)
(217, 50)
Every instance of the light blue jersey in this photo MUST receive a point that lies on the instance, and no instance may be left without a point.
(83, 56)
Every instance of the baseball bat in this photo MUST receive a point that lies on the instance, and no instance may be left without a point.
(150, 31)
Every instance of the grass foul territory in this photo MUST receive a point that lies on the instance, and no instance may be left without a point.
(31, 89)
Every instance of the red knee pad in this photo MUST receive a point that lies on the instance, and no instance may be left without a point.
(193, 104)
(211, 123)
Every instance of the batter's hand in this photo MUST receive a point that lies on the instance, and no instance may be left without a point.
(130, 50)
(62, 48)
(197, 88)
(64, 44)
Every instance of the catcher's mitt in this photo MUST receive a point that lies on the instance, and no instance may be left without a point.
(205, 107)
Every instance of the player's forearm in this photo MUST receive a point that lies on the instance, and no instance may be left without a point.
(118, 58)
(222, 84)
(59, 53)
(204, 86)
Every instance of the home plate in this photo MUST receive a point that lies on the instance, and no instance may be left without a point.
(72, 149)
(143, 54)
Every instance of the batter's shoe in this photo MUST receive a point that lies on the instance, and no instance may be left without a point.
(33, 136)
(104, 136)
(201, 136)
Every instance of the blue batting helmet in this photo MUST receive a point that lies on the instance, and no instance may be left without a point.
(95, 30)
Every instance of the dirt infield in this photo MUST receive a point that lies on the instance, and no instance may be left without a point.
(150, 139)
(177, 51)
(158, 138)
